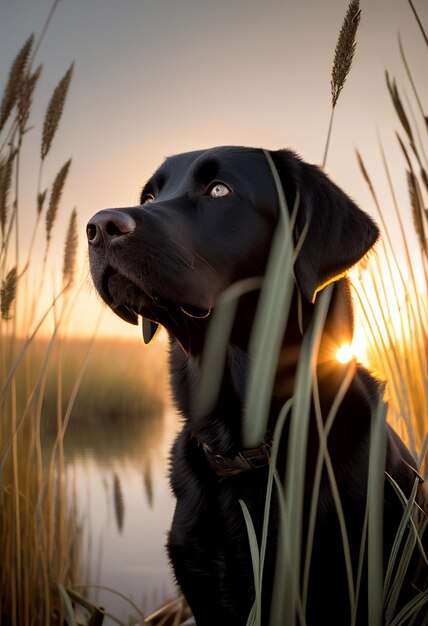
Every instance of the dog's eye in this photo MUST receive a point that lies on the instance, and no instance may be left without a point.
(218, 190)
(148, 197)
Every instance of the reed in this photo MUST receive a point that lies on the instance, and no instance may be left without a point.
(70, 251)
(40, 530)
(16, 78)
(342, 63)
(6, 169)
(55, 198)
(391, 306)
(8, 294)
(345, 50)
(54, 112)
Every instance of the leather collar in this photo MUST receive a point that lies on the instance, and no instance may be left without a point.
(249, 459)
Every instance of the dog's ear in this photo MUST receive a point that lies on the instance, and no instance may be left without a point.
(338, 233)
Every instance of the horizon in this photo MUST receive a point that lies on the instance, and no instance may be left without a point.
(234, 93)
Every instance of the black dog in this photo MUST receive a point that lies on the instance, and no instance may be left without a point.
(206, 220)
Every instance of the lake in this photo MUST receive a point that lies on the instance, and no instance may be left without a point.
(126, 506)
(116, 447)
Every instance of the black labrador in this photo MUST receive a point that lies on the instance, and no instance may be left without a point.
(206, 219)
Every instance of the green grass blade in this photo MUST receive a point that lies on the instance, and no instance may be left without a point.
(403, 526)
(217, 341)
(286, 597)
(255, 559)
(360, 565)
(270, 323)
(252, 615)
(272, 468)
(413, 540)
(411, 608)
(68, 607)
(343, 531)
(376, 481)
(323, 431)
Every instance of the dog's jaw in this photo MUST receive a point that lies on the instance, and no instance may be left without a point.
(185, 322)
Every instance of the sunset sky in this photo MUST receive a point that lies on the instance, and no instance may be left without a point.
(157, 77)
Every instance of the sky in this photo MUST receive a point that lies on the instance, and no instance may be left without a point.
(158, 77)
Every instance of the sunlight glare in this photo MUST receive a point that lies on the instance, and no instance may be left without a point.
(344, 353)
(356, 350)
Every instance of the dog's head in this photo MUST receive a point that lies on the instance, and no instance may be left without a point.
(205, 220)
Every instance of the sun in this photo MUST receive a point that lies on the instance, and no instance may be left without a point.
(344, 353)
(355, 350)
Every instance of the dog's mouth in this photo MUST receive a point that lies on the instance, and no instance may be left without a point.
(150, 327)
(130, 301)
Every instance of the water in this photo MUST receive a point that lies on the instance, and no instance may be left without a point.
(120, 475)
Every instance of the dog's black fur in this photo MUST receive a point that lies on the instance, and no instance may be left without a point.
(169, 263)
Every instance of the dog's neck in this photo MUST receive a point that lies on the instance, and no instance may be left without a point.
(338, 330)
(221, 430)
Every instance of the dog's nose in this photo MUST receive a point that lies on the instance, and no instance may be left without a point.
(108, 224)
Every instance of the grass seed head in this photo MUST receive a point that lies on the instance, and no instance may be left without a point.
(25, 97)
(17, 76)
(398, 105)
(8, 294)
(54, 111)
(55, 197)
(6, 169)
(119, 503)
(418, 211)
(41, 196)
(345, 49)
(70, 250)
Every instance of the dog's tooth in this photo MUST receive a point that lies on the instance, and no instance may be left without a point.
(149, 330)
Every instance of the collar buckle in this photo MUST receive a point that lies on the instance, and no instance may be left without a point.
(250, 459)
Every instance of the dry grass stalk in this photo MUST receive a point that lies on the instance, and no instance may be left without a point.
(423, 173)
(398, 348)
(55, 197)
(54, 111)
(343, 56)
(418, 211)
(395, 97)
(119, 504)
(6, 169)
(402, 116)
(405, 153)
(366, 176)
(345, 49)
(17, 75)
(415, 13)
(25, 98)
(39, 534)
(413, 284)
(70, 250)
(412, 82)
(41, 196)
(8, 294)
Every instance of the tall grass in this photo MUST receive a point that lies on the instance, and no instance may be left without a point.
(391, 297)
(391, 304)
(40, 531)
(47, 381)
